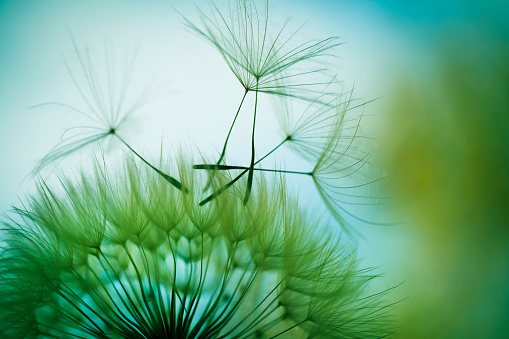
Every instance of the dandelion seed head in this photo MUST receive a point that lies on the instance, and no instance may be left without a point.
(147, 268)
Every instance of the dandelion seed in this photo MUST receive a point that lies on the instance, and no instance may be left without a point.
(344, 176)
(262, 62)
(329, 135)
(151, 268)
(104, 102)
(107, 107)
(306, 132)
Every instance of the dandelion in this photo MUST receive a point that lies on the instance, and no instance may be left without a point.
(306, 132)
(108, 105)
(329, 135)
(343, 174)
(136, 252)
(119, 255)
(262, 63)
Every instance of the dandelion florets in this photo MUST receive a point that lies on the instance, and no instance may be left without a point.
(123, 254)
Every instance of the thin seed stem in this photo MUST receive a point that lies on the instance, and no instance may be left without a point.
(288, 329)
(254, 322)
(250, 175)
(149, 312)
(227, 168)
(228, 185)
(131, 307)
(167, 177)
(96, 297)
(77, 308)
(231, 128)
(212, 306)
(207, 186)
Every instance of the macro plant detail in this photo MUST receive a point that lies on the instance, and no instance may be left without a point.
(188, 248)
(123, 254)
(108, 103)
(328, 131)
(261, 63)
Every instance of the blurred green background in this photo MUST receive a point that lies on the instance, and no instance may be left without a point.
(447, 147)
(441, 69)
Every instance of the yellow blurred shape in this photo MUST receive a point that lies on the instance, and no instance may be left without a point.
(448, 154)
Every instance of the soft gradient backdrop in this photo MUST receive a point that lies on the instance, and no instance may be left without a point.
(440, 68)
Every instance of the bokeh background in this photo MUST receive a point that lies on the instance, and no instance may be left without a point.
(441, 71)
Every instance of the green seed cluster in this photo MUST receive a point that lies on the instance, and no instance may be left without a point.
(125, 255)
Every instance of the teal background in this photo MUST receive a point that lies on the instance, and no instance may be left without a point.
(389, 46)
